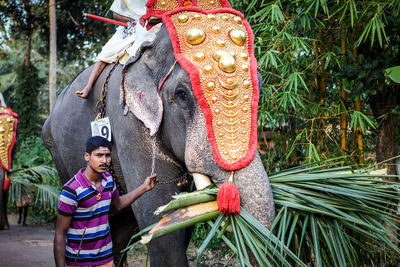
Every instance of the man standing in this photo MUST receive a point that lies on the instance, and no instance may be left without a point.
(84, 206)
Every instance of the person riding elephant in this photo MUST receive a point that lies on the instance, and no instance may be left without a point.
(174, 117)
(124, 42)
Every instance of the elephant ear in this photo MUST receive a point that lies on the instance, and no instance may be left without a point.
(139, 92)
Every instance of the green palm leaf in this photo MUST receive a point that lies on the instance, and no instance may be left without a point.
(326, 216)
(41, 181)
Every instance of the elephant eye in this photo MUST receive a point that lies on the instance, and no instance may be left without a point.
(180, 94)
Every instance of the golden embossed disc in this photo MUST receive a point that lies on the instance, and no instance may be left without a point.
(195, 36)
(238, 37)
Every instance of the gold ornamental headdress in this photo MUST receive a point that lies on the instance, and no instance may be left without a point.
(8, 129)
(215, 47)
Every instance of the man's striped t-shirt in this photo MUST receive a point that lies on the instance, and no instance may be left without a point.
(80, 199)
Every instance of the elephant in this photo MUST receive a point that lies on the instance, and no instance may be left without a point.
(178, 125)
(8, 121)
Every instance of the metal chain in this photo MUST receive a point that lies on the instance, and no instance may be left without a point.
(153, 156)
(121, 190)
(174, 180)
(101, 104)
(179, 181)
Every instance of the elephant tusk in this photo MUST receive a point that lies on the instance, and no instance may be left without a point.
(201, 181)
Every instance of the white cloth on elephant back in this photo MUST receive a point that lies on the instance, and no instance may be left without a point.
(129, 8)
(119, 44)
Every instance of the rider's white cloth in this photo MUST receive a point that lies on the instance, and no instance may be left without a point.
(119, 44)
(129, 8)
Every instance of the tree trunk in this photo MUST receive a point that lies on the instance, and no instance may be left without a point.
(359, 134)
(53, 54)
(343, 115)
(28, 50)
(29, 33)
(382, 106)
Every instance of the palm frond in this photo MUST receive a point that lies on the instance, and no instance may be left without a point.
(327, 215)
(41, 181)
(346, 212)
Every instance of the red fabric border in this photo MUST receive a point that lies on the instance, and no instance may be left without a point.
(150, 12)
(15, 115)
(195, 79)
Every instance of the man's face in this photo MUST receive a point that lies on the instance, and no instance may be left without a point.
(99, 159)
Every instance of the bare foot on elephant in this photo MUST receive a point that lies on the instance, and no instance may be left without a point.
(97, 69)
(84, 93)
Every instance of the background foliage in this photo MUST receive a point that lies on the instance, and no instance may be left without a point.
(323, 66)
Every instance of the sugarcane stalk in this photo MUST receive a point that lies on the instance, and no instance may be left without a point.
(187, 200)
(182, 218)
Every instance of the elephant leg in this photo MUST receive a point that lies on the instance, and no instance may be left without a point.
(169, 250)
(122, 226)
(5, 201)
(163, 244)
(2, 201)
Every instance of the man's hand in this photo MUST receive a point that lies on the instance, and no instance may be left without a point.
(150, 182)
(122, 202)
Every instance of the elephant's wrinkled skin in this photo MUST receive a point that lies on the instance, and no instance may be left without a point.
(182, 142)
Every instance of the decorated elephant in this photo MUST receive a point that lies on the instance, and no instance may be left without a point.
(8, 126)
(152, 105)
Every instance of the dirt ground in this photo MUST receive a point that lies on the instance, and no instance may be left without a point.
(32, 245)
(26, 245)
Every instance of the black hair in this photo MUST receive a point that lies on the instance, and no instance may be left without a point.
(95, 142)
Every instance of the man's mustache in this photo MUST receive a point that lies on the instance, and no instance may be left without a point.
(104, 165)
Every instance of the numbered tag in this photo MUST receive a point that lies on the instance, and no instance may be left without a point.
(102, 128)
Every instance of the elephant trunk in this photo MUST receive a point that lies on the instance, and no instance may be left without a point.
(255, 191)
(254, 188)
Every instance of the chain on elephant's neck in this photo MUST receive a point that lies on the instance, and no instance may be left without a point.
(153, 156)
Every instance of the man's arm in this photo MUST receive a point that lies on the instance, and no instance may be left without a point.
(122, 18)
(63, 223)
(124, 201)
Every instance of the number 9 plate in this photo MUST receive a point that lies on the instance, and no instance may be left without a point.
(102, 128)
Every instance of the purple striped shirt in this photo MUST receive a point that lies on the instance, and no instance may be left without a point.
(79, 199)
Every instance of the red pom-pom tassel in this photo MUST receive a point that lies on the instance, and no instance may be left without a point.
(6, 184)
(228, 199)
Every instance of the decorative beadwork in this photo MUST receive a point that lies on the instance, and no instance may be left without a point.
(166, 5)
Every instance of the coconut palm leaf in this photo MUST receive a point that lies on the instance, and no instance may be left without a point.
(326, 216)
(41, 181)
(348, 213)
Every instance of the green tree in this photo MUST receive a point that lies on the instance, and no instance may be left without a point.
(26, 24)
(323, 67)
